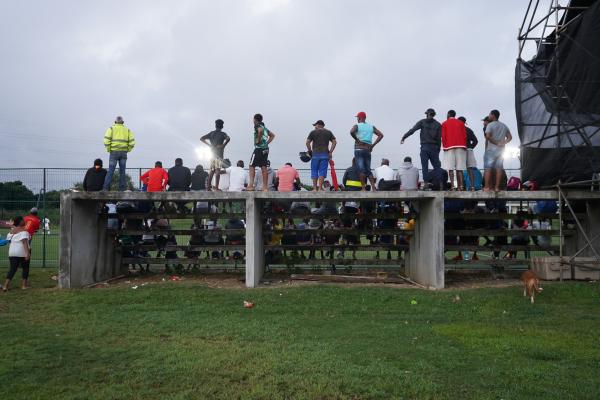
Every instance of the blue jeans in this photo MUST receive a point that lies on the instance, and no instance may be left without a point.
(318, 165)
(121, 158)
(363, 161)
(429, 153)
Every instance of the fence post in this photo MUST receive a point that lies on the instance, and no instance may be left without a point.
(43, 221)
(140, 178)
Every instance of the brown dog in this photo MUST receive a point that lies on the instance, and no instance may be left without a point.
(532, 285)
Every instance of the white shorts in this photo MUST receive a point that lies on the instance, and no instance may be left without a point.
(471, 161)
(455, 159)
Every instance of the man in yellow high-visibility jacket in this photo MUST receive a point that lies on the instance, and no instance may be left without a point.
(119, 141)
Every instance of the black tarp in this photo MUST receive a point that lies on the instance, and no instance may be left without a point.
(558, 102)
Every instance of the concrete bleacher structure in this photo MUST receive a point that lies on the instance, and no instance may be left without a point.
(89, 252)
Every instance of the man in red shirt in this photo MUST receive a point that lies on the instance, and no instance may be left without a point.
(32, 222)
(286, 177)
(454, 143)
(156, 179)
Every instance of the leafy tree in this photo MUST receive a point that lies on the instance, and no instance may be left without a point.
(16, 196)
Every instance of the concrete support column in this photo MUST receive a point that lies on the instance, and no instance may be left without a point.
(87, 250)
(593, 227)
(255, 254)
(425, 264)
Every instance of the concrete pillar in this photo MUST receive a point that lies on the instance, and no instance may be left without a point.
(593, 227)
(425, 264)
(255, 254)
(87, 250)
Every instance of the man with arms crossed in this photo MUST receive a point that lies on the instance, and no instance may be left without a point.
(497, 135)
(216, 140)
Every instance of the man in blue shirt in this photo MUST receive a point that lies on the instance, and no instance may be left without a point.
(363, 133)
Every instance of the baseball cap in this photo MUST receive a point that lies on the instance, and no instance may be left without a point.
(319, 122)
(430, 111)
(119, 120)
(463, 119)
(33, 210)
(361, 114)
(486, 118)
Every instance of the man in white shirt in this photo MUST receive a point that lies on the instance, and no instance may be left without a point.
(238, 177)
(384, 172)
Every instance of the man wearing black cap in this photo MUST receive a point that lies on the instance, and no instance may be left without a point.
(216, 140)
(94, 177)
(317, 144)
(431, 140)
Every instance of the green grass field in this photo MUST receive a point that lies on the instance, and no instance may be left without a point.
(184, 340)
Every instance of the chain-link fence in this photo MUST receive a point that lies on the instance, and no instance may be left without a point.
(24, 188)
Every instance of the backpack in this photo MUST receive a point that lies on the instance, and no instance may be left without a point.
(514, 183)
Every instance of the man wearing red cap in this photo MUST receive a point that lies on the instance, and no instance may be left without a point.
(363, 133)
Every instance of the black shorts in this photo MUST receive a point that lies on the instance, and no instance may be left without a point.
(259, 158)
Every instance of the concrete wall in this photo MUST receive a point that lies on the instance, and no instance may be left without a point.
(87, 249)
(88, 252)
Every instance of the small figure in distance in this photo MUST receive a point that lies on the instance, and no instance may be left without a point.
(216, 140)
(362, 133)
(262, 138)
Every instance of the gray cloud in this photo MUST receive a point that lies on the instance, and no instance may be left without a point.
(172, 68)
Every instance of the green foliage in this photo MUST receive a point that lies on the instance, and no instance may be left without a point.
(15, 195)
(181, 340)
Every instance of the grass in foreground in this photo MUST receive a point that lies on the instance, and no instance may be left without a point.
(185, 341)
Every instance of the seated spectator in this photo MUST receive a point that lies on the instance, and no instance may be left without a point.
(477, 183)
(385, 177)
(180, 177)
(519, 239)
(212, 236)
(351, 178)
(156, 179)
(199, 179)
(286, 177)
(238, 177)
(408, 175)
(258, 183)
(94, 177)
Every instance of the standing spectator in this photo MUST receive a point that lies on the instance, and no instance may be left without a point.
(385, 177)
(408, 175)
(262, 138)
(156, 179)
(317, 144)
(258, 182)
(118, 141)
(216, 140)
(471, 161)
(454, 142)
(199, 178)
(362, 133)
(286, 177)
(46, 222)
(32, 225)
(431, 139)
(180, 177)
(19, 252)
(238, 177)
(94, 177)
(497, 135)
(486, 121)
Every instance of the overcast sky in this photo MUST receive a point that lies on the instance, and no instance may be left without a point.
(171, 68)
